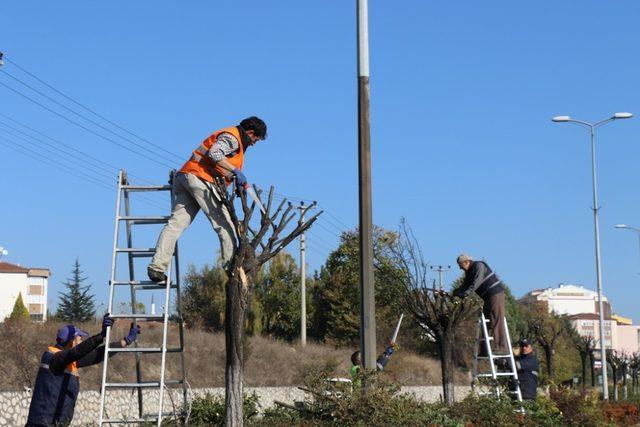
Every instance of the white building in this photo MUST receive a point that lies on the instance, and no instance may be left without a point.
(569, 299)
(581, 307)
(32, 283)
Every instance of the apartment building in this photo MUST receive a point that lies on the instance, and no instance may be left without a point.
(31, 283)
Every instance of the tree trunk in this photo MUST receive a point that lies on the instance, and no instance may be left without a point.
(234, 335)
(624, 382)
(445, 348)
(583, 360)
(615, 382)
(548, 354)
(593, 370)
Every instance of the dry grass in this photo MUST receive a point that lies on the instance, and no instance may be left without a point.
(268, 362)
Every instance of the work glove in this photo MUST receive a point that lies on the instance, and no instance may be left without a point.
(241, 180)
(134, 331)
(107, 322)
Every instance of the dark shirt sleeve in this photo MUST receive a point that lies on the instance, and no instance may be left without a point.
(62, 358)
(97, 355)
(528, 364)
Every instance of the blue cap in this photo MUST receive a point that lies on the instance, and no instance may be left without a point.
(69, 332)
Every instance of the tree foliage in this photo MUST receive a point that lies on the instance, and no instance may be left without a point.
(76, 304)
(337, 292)
(19, 311)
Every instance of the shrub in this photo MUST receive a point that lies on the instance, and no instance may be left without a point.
(579, 408)
(621, 413)
(209, 410)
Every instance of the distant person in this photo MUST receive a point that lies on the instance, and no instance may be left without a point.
(381, 362)
(221, 155)
(527, 366)
(58, 382)
(478, 277)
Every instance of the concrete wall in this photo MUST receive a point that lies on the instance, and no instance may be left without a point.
(14, 406)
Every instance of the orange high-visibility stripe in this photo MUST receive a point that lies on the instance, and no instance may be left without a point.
(203, 167)
(71, 368)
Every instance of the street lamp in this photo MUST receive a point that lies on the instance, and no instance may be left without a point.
(3, 251)
(592, 129)
(628, 227)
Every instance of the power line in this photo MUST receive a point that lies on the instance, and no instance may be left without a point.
(87, 108)
(84, 127)
(85, 117)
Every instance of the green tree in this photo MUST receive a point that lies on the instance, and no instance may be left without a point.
(19, 312)
(203, 302)
(336, 294)
(76, 304)
(279, 296)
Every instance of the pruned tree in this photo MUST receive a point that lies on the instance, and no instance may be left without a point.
(546, 328)
(634, 365)
(438, 313)
(617, 361)
(585, 347)
(254, 248)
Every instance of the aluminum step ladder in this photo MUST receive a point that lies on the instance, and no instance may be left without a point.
(124, 235)
(510, 372)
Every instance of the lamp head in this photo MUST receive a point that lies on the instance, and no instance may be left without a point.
(561, 119)
(618, 116)
(621, 226)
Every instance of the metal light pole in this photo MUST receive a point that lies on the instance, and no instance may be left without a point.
(592, 129)
(367, 297)
(628, 227)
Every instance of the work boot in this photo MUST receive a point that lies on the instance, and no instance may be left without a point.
(155, 275)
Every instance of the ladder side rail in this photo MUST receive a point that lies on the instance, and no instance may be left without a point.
(487, 343)
(128, 226)
(512, 361)
(165, 328)
(476, 348)
(105, 363)
(179, 301)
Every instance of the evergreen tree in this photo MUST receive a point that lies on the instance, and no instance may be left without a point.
(76, 305)
(19, 312)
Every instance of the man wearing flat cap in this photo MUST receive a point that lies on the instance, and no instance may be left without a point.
(479, 277)
(527, 366)
(57, 383)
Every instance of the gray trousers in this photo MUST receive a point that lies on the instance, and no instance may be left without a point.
(494, 311)
(191, 195)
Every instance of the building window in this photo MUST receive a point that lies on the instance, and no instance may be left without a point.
(36, 290)
(36, 317)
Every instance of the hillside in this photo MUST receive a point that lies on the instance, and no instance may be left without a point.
(269, 362)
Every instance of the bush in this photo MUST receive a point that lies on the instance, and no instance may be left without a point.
(209, 410)
(579, 408)
(621, 413)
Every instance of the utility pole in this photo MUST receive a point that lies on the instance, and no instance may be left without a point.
(367, 293)
(441, 269)
(303, 280)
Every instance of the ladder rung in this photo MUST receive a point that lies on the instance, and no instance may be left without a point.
(138, 316)
(151, 419)
(137, 250)
(496, 356)
(143, 350)
(146, 187)
(498, 374)
(145, 284)
(145, 219)
(144, 384)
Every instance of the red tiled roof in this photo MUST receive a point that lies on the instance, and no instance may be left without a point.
(5, 267)
(587, 316)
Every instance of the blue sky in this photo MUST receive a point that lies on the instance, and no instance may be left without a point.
(462, 143)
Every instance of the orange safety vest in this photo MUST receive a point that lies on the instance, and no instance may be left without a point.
(203, 167)
(71, 368)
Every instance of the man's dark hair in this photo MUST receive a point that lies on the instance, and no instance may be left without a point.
(255, 124)
(354, 357)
